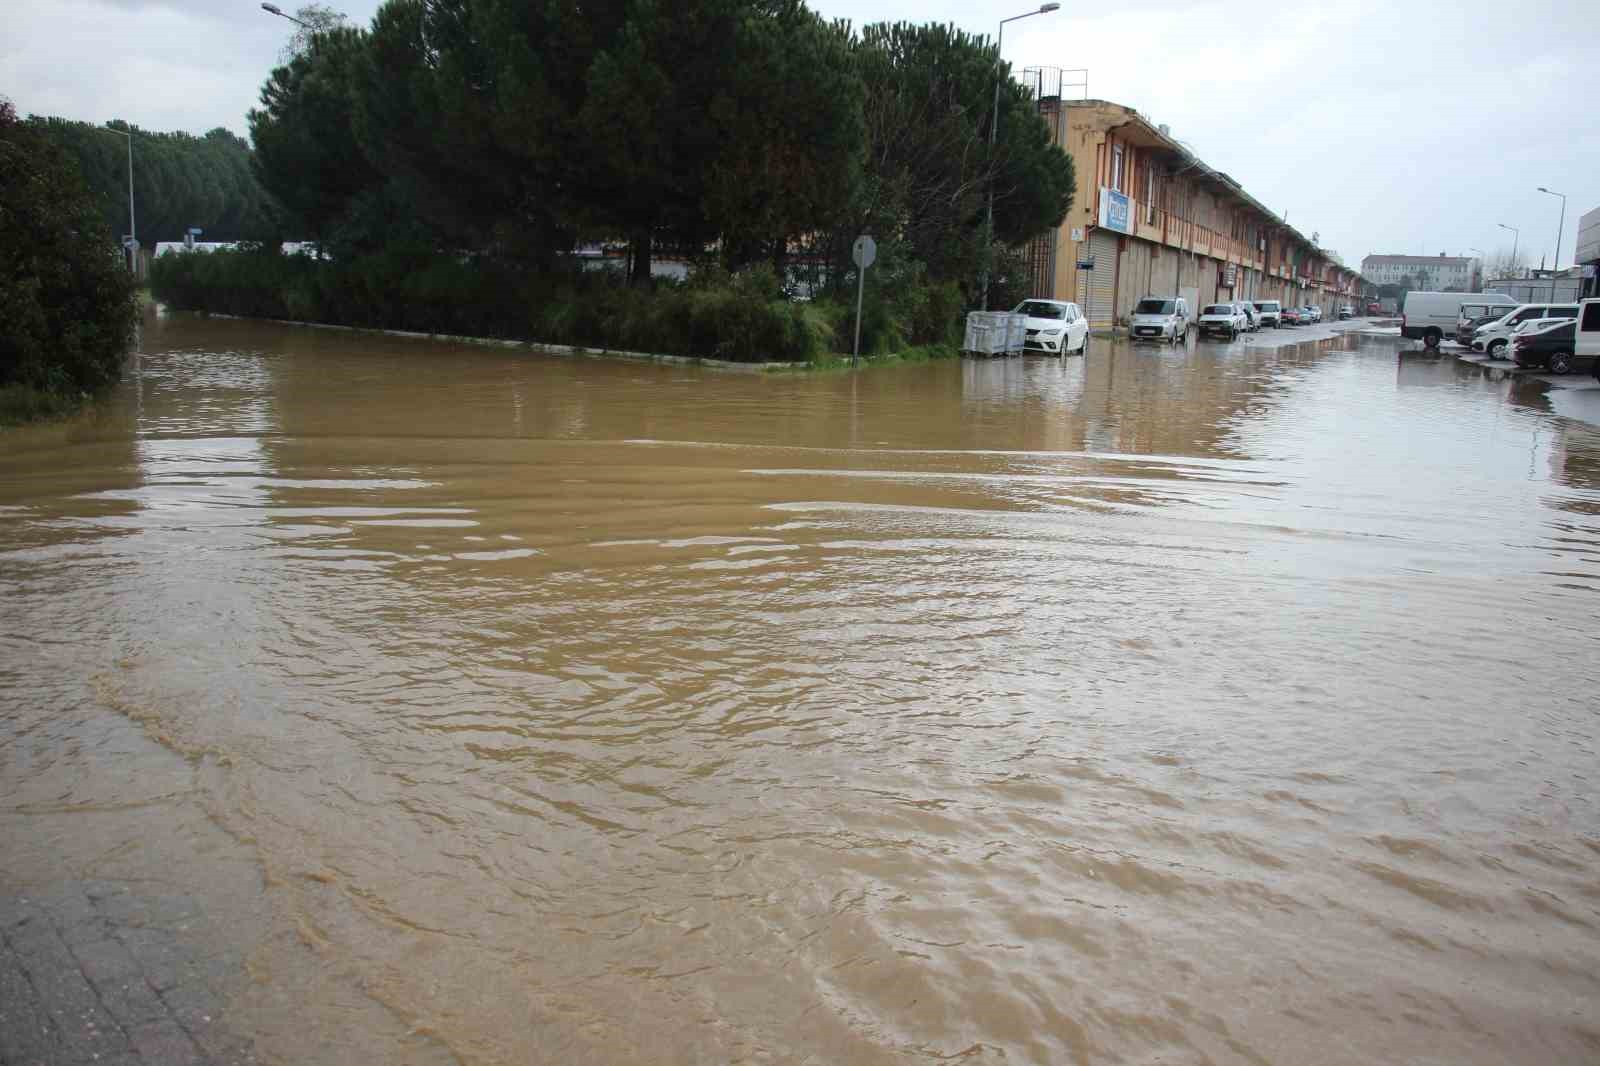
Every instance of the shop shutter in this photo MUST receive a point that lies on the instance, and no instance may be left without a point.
(1102, 280)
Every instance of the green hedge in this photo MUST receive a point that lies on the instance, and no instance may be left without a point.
(715, 315)
(67, 308)
(744, 319)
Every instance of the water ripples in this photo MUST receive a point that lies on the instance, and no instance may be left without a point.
(576, 728)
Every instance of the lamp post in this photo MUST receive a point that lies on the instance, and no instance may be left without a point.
(1556, 264)
(133, 230)
(1516, 235)
(994, 122)
(274, 9)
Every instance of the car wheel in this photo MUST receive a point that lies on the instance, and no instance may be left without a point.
(1431, 338)
(1495, 348)
(1560, 362)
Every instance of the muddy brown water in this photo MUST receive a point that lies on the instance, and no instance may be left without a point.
(1221, 704)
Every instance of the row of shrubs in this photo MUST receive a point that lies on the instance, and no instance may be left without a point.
(743, 317)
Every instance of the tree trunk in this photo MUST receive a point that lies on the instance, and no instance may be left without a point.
(780, 259)
(640, 251)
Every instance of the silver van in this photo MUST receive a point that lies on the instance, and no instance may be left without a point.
(1157, 318)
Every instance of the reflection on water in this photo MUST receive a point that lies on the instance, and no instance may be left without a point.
(1198, 704)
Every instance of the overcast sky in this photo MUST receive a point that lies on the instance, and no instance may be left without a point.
(1408, 126)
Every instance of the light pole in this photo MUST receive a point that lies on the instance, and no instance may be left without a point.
(1516, 236)
(1556, 265)
(274, 9)
(133, 230)
(994, 123)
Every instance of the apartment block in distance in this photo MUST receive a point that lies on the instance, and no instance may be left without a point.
(1424, 273)
(1149, 218)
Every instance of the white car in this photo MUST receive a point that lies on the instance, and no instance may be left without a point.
(1251, 315)
(1156, 319)
(1224, 320)
(1311, 313)
(1269, 312)
(1054, 327)
(1495, 337)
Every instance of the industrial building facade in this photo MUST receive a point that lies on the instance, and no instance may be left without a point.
(1150, 219)
(1588, 253)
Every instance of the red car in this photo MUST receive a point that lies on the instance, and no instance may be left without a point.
(1372, 308)
(1291, 316)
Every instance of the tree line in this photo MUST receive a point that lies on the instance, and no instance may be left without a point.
(516, 131)
(67, 306)
(179, 180)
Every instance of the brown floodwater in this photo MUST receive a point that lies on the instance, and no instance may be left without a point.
(1225, 704)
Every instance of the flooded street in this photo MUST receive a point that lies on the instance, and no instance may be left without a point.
(1220, 704)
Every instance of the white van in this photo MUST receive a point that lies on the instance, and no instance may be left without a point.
(1495, 336)
(1586, 338)
(1492, 305)
(1432, 316)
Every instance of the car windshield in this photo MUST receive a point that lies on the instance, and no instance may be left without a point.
(1220, 309)
(1267, 305)
(1154, 307)
(1040, 309)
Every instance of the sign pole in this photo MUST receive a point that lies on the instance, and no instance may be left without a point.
(864, 251)
(861, 286)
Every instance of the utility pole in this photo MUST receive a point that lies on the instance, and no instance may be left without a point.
(133, 230)
(994, 124)
(1555, 264)
(1516, 236)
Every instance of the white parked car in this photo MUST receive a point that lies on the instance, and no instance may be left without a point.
(1495, 338)
(1223, 320)
(1157, 319)
(1311, 313)
(1055, 327)
(1252, 316)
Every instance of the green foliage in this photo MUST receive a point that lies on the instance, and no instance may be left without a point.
(179, 181)
(309, 20)
(743, 318)
(306, 153)
(451, 156)
(67, 306)
(929, 167)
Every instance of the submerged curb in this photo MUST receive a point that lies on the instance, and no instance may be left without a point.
(534, 346)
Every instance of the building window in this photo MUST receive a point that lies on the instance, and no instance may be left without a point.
(1116, 167)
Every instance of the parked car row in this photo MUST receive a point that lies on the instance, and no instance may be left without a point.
(1059, 327)
(1432, 316)
(1493, 336)
(1561, 343)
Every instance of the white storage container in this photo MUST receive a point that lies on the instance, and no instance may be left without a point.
(995, 333)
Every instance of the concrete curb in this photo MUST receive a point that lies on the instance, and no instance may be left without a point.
(534, 346)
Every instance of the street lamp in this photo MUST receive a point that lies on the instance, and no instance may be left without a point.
(133, 230)
(1556, 265)
(994, 123)
(274, 9)
(1516, 235)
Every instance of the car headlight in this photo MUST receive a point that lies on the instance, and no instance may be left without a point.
(1052, 333)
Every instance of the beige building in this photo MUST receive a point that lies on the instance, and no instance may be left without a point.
(1151, 219)
(1425, 273)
